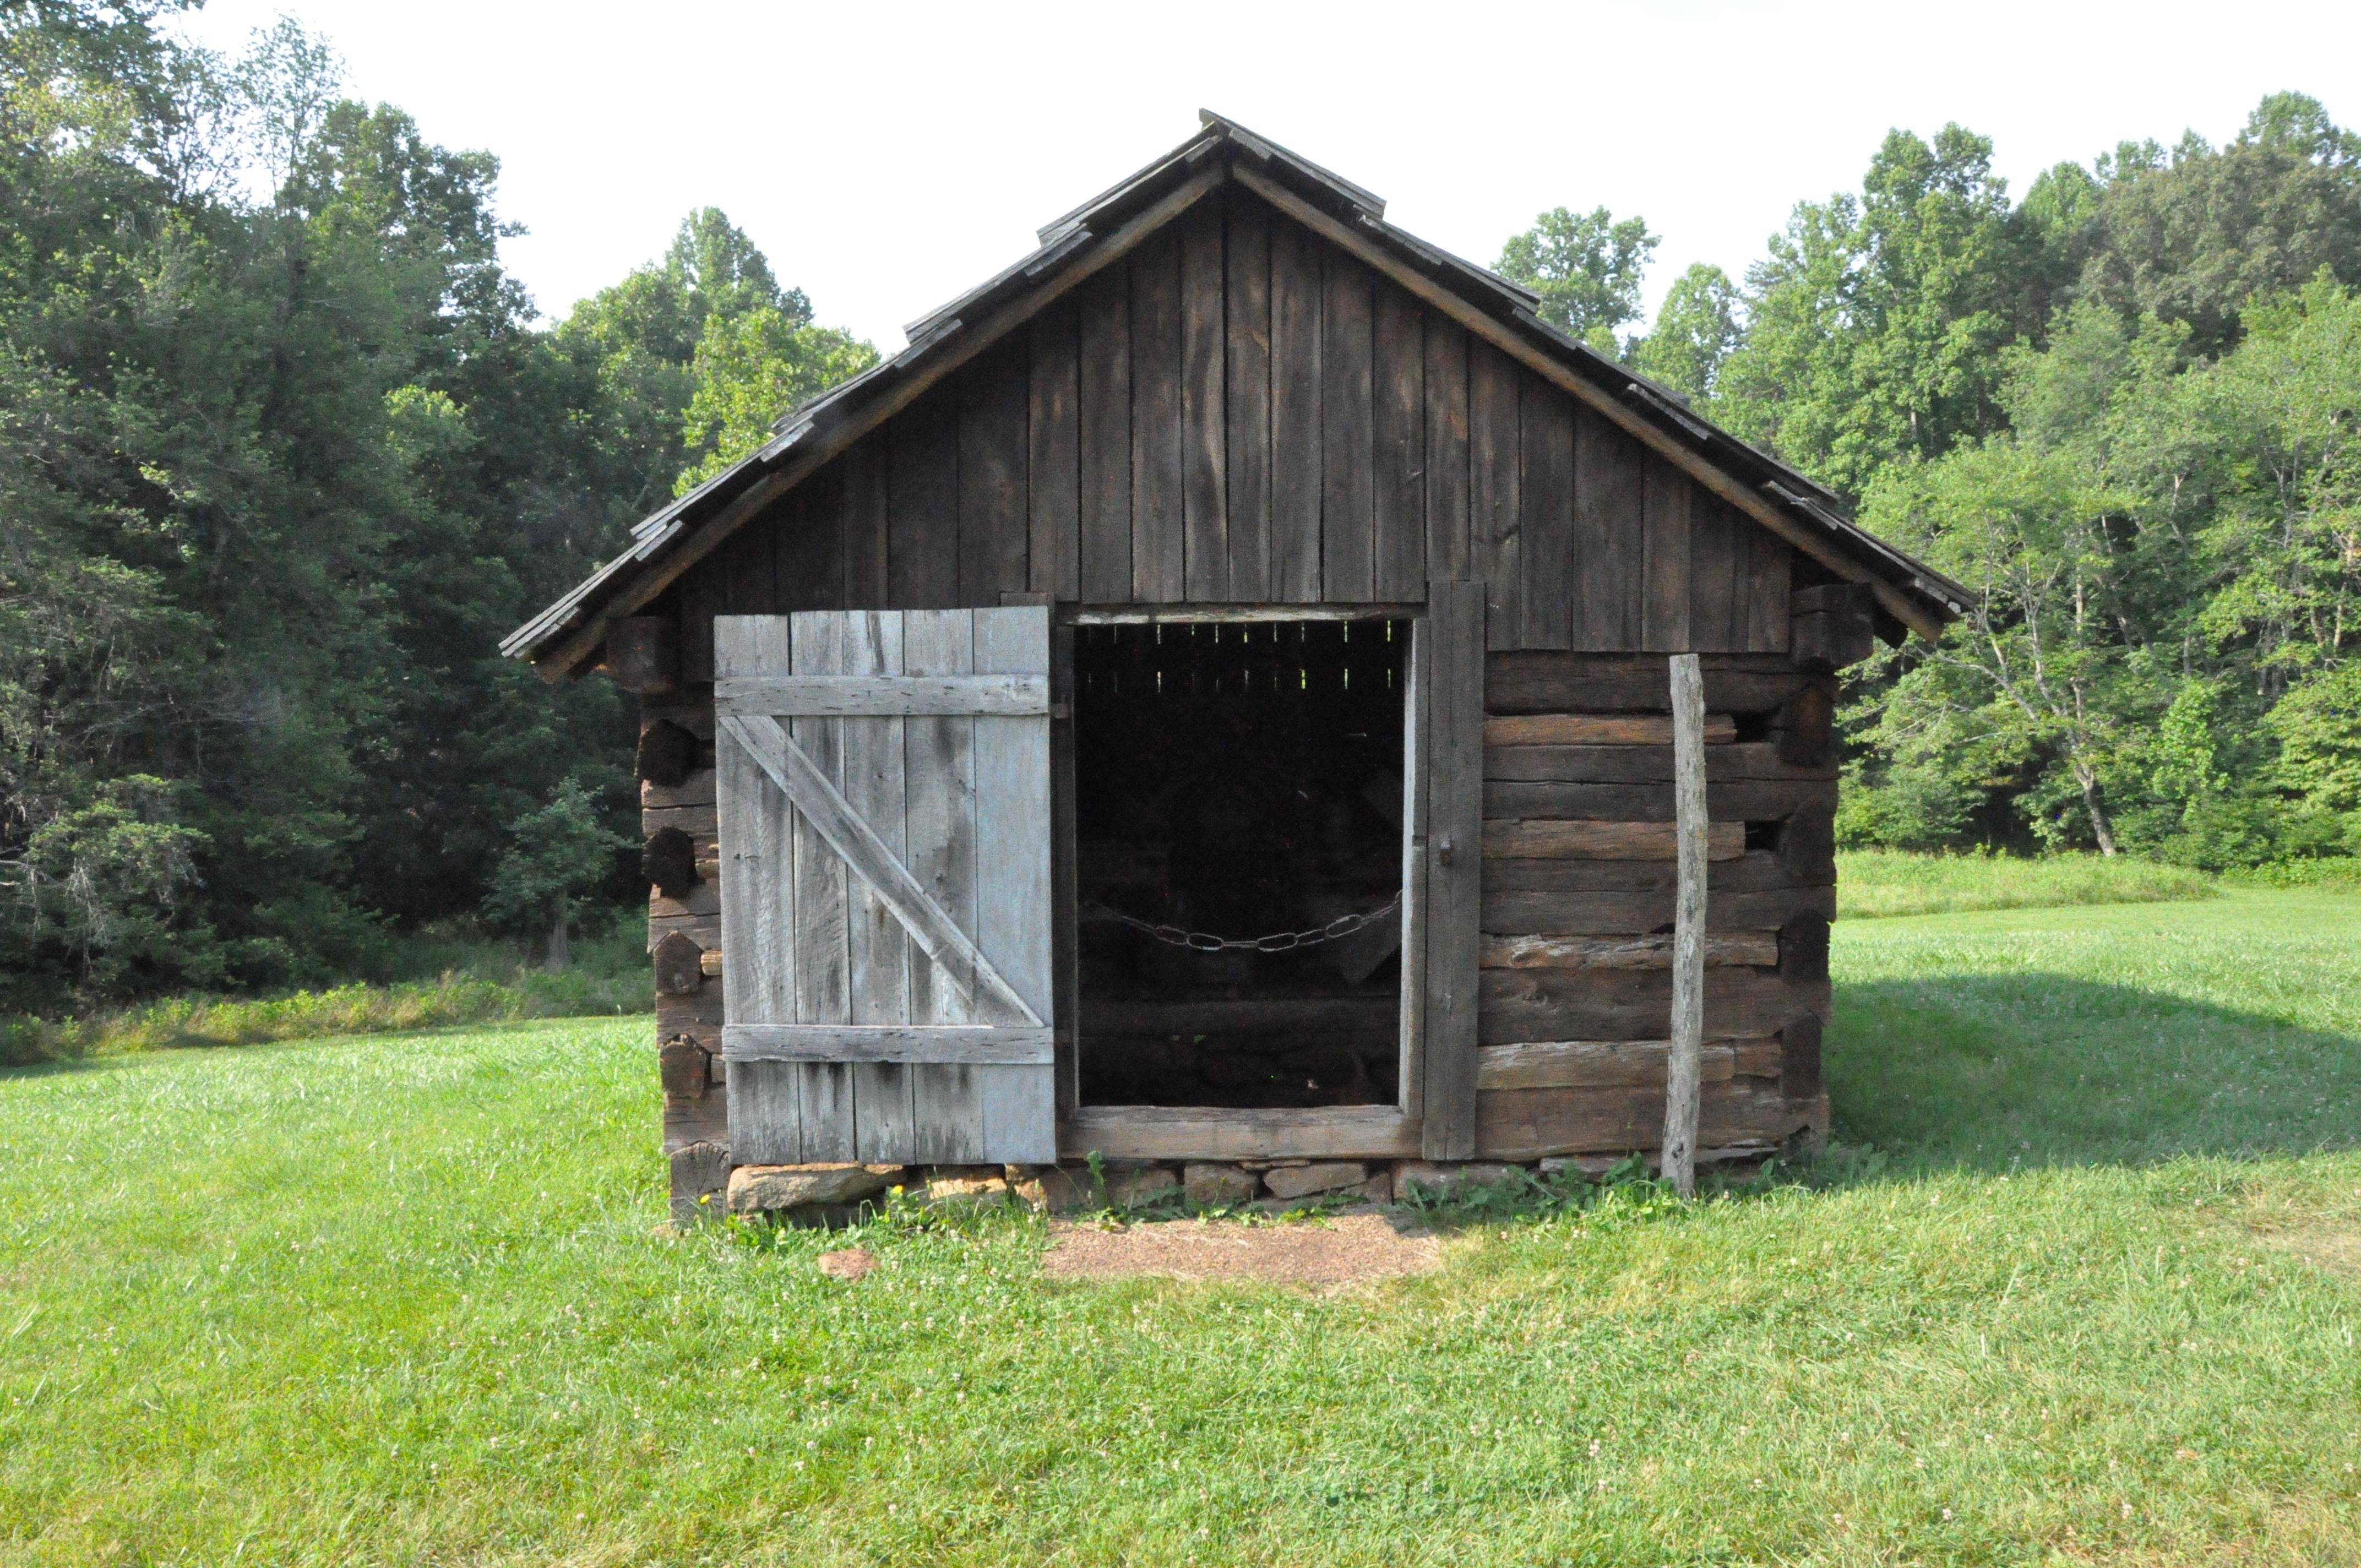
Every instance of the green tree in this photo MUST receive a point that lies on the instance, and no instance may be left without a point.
(1587, 267)
(2191, 235)
(750, 371)
(1874, 325)
(2033, 679)
(1697, 328)
(557, 858)
(640, 337)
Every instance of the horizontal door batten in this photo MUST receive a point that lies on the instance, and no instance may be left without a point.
(930, 1043)
(881, 696)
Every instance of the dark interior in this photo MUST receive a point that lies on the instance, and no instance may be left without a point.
(1239, 780)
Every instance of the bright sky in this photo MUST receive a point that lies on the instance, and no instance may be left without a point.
(888, 157)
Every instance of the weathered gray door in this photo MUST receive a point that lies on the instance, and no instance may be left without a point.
(885, 898)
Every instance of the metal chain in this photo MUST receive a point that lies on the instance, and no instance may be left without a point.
(1277, 942)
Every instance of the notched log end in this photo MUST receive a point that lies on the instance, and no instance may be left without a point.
(679, 964)
(667, 754)
(668, 860)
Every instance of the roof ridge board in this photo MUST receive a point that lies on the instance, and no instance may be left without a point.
(1253, 141)
(1189, 150)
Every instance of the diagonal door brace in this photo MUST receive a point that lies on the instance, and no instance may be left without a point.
(832, 818)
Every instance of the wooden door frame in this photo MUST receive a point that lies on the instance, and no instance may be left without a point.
(1216, 1131)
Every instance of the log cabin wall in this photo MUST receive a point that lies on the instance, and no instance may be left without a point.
(1577, 904)
(1239, 412)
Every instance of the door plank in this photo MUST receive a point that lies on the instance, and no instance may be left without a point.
(1417, 915)
(817, 893)
(946, 1105)
(1013, 928)
(757, 838)
(883, 1117)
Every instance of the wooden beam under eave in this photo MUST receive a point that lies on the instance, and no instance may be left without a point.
(1493, 331)
(660, 573)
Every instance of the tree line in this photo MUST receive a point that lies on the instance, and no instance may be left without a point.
(284, 451)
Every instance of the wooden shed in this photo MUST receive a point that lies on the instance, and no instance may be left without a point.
(1206, 698)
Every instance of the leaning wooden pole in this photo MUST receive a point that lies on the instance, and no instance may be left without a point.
(1683, 1067)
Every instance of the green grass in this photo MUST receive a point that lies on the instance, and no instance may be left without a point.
(438, 982)
(407, 1299)
(1891, 882)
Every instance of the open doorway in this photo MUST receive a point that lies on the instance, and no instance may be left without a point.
(1238, 858)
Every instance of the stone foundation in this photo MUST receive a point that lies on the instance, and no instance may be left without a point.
(837, 1194)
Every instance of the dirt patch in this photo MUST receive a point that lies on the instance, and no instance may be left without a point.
(1347, 1249)
(2336, 1248)
(847, 1263)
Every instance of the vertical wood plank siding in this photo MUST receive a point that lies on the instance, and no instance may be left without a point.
(1106, 438)
(922, 558)
(1347, 538)
(1155, 436)
(995, 455)
(1054, 465)
(1247, 307)
(1295, 428)
(1204, 453)
(1238, 412)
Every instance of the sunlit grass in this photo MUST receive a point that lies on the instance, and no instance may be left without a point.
(403, 1299)
(440, 982)
(1889, 882)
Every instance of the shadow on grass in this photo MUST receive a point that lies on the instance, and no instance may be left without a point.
(1992, 1072)
(56, 1066)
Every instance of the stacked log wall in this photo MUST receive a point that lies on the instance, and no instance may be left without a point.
(688, 1015)
(1579, 893)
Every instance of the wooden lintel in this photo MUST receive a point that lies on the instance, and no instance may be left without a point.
(668, 564)
(1169, 614)
(1762, 508)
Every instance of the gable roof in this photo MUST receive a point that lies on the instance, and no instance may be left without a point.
(568, 636)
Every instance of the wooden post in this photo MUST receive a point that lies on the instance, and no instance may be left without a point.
(1686, 1064)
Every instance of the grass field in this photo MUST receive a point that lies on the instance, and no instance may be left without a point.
(431, 982)
(2091, 1297)
(1892, 881)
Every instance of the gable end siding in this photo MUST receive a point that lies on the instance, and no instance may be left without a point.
(1241, 412)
